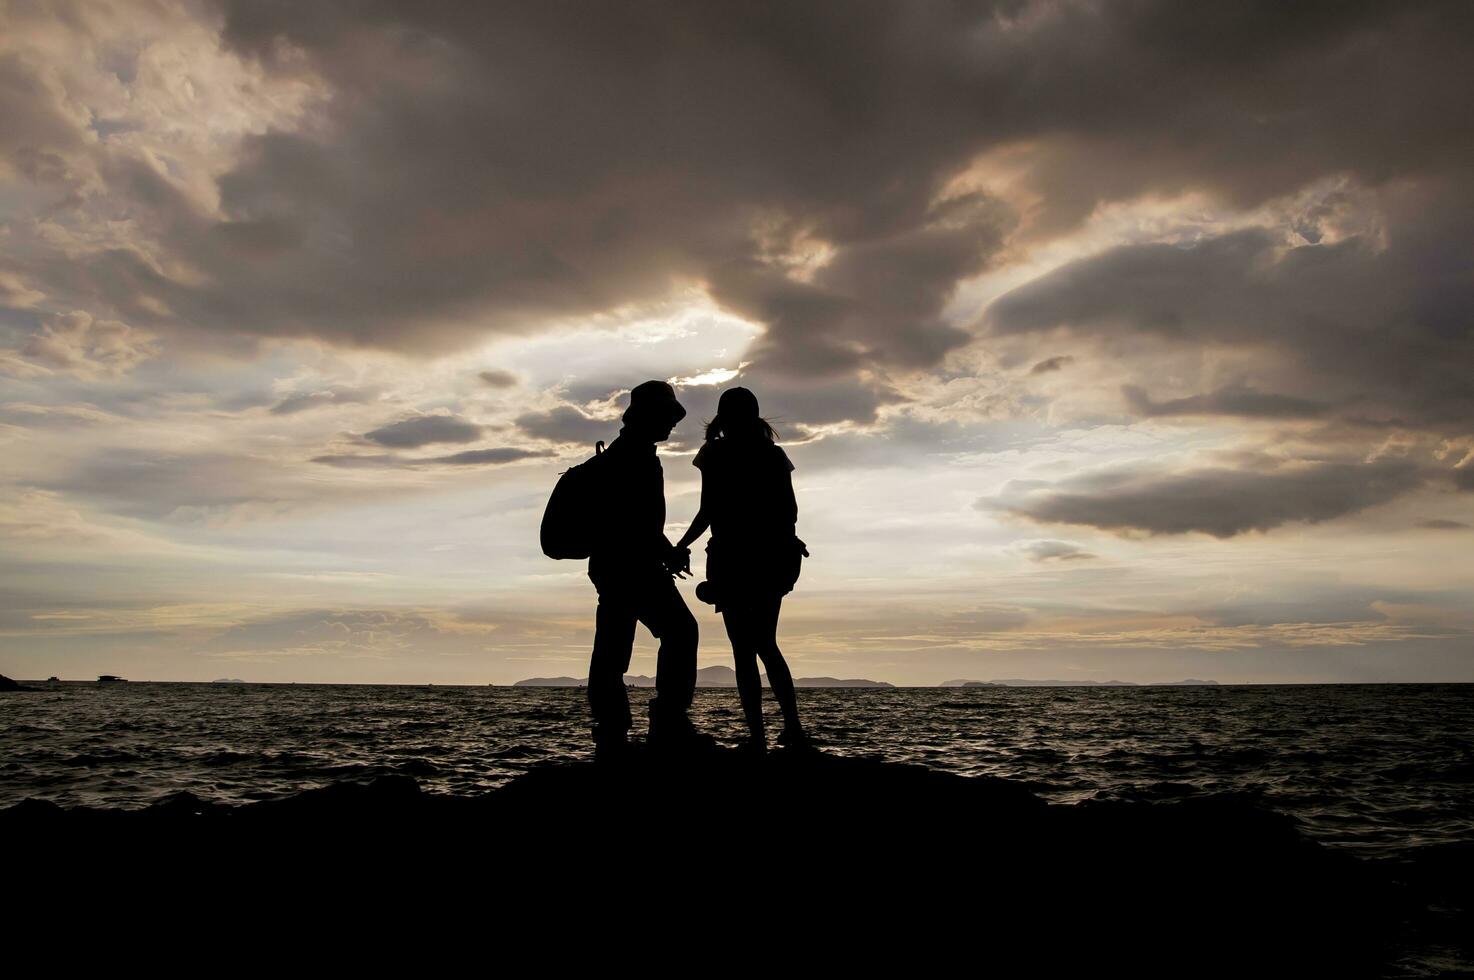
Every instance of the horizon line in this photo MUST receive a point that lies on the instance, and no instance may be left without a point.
(937, 686)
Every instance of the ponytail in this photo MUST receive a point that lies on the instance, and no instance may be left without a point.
(720, 428)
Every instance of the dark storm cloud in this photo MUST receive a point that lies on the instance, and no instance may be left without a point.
(478, 167)
(1382, 333)
(489, 457)
(471, 457)
(66, 417)
(1241, 400)
(38, 140)
(358, 461)
(1049, 364)
(424, 430)
(180, 486)
(293, 404)
(566, 424)
(1052, 551)
(1218, 501)
(798, 403)
(876, 302)
(498, 379)
(526, 161)
(903, 441)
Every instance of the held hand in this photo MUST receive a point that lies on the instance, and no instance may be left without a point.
(678, 562)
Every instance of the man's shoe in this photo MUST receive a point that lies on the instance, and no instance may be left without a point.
(796, 740)
(677, 734)
(611, 749)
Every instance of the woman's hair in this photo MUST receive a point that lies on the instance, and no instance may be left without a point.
(737, 415)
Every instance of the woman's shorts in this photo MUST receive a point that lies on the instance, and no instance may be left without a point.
(750, 571)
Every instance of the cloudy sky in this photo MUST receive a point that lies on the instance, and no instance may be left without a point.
(1110, 339)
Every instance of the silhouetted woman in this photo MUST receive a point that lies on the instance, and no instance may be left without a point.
(753, 556)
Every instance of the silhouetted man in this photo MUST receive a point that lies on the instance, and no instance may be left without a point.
(632, 565)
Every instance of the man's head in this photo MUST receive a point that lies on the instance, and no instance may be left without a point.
(653, 410)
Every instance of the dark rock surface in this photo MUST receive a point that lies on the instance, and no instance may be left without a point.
(887, 864)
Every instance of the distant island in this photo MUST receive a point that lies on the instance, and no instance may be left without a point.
(1022, 682)
(227, 680)
(834, 682)
(716, 676)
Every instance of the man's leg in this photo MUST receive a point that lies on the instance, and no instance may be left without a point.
(614, 640)
(664, 613)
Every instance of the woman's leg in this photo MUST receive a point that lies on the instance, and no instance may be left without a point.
(749, 685)
(765, 637)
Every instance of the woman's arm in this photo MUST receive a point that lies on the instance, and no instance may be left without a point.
(701, 521)
(698, 527)
(789, 500)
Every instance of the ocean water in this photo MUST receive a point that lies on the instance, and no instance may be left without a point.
(1377, 769)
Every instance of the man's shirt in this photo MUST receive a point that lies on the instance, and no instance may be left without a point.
(632, 511)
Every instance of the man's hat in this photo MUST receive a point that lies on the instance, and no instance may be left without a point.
(652, 400)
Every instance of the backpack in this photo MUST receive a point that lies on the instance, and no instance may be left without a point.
(571, 519)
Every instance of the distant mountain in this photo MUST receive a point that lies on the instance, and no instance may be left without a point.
(836, 682)
(703, 679)
(1023, 682)
(727, 677)
(630, 680)
(552, 682)
(717, 676)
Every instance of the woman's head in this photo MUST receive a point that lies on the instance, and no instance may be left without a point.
(737, 416)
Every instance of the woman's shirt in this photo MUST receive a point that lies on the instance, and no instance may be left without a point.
(747, 489)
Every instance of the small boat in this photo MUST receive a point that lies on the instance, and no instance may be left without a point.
(111, 679)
